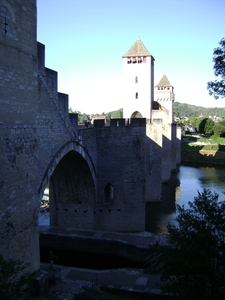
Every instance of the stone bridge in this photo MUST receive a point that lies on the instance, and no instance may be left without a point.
(96, 175)
(99, 177)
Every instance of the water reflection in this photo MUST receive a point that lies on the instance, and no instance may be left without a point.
(181, 189)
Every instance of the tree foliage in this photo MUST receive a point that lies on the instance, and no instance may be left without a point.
(219, 130)
(193, 257)
(217, 87)
(83, 117)
(194, 121)
(13, 281)
(203, 125)
(206, 125)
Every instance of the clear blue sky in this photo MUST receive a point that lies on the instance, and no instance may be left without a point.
(86, 39)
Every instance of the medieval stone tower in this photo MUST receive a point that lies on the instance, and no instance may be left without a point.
(164, 95)
(138, 73)
(18, 139)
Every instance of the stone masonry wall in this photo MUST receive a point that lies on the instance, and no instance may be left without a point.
(121, 164)
(18, 139)
(154, 161)
(118, 153)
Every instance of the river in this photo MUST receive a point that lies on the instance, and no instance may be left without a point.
(181, 189)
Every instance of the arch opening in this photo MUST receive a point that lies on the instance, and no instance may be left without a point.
(71, 193)
(71, 190)
(136, 114)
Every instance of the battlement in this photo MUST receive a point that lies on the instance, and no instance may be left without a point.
(133, 122)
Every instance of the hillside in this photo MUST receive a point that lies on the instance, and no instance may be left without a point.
(187, 110)
(183, 110)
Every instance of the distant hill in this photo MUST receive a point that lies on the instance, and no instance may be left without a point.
(115, 114)
(184, 110)
(187, 110)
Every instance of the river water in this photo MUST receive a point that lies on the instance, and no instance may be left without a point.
(181, 189)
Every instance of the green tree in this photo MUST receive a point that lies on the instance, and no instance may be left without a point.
(193, 259)
(219, 130)
(194, 121)
(209, 124)
(108, 115)
(176, 112)
(217, 87)
(201, 125)
(84, 117)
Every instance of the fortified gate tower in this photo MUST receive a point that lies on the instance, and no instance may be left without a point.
(164, 95)
(138, 81)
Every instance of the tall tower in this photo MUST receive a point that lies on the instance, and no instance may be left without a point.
(18, 142)
(165, 96)
(138, 82)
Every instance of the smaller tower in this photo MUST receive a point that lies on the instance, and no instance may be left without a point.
(165, 96)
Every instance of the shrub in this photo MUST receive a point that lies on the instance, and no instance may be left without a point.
(192, 262)
(194, 122)
(219, 130)
(209, 124)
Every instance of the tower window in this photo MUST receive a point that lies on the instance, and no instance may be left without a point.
(109, 192)
(136, 95)
(136, 79)
(144, 59)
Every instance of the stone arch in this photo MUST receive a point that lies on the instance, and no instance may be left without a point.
(62, 152)
(136, 114)
(8, 6)
(72, 188)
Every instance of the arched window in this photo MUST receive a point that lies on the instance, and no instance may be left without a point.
(136, 95)
(136, 79)
(109, 192)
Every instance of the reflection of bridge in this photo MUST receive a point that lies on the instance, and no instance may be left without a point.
(100, 177)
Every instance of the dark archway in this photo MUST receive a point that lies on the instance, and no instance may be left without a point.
(72, 193)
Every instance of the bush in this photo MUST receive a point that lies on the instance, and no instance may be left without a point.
(219, 130)
(222, 123)
(209, 124)
(192, 262)
(194, 122)
(205, 126)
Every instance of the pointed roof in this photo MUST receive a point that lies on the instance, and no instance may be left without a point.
(138, 49)
(164, 82)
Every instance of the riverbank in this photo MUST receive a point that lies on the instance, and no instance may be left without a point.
(209, 157)
(196, 148)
